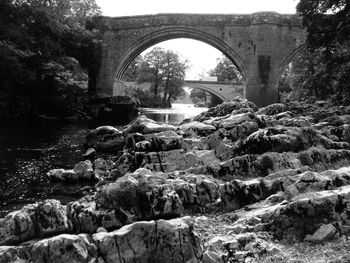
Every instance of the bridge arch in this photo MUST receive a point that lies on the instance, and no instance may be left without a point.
(172, 33)
(202, 87)
(295, 53)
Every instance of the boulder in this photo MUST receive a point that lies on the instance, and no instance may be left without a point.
(90, 154)
(145, 126)
(279, 139)
(62, 175)
(243, 130)
(190, 144)
(273, 109)
(324, 233)
(65, 248)
(235, 119)
(33, 221)
(197, 128)
(84, 170)
(87, 218)
(168, 161)
(295, 122)
(227, 108)
(160, 241)
(125, 163)
(105, 138)
(225, 151)
(11, 254)
(141, 195)
(164, 141)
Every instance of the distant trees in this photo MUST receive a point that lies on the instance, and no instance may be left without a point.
(198, 96)
(226, 71)
(328, 40)
(164, 70)
(38, 40)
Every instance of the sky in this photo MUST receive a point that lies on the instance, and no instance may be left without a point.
(202, 57)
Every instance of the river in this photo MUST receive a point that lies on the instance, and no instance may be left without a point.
(29, 150)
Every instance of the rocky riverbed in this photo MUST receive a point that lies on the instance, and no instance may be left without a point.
(236, 184)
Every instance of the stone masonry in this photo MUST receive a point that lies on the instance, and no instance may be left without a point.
(260, 44)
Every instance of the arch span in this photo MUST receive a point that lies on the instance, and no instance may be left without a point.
(211, 91)
(296, 52)
(174, 33)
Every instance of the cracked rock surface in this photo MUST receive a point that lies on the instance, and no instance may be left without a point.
(236, 184)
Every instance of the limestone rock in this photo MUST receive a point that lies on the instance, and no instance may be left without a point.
(160, 241)
(65, 248)
(145, 126)
(83, 170)
(87, 218)
(125, 163)
(164, 141)
(235, 120)
(32, 221)
(225, 151)
(62, 175)
(169, 161)
(295, 122)
(140, 196)
(279, 139)
(273, 109)
(143, 146)
(11, 254)
(105, 138)
(226, 108)
(90, 153)
(243, 130)
(325, 232)
(197, 128)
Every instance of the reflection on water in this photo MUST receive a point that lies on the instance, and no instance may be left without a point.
(27, 152)
(176, 114)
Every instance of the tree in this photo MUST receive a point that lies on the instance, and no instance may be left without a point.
(328, 39)
(174, 70)
(132, 72)
(164, 69)
(35, 36)
(226, 71)
(151, 68)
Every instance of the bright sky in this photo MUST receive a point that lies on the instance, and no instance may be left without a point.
(202, 57)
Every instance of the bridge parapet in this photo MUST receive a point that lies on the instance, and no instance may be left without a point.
(132, 22)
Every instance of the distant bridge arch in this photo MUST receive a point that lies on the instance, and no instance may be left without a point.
(223, 90)
(259, 44)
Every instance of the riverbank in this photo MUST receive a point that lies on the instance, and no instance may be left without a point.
(29, 149)
(237, 184)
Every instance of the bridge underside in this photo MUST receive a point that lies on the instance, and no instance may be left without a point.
(225, 92)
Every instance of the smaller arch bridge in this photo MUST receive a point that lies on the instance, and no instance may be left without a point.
(223, 90)
(226, 91)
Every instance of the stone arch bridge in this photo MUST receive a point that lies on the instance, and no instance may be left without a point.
(223, 90)
(260, 44)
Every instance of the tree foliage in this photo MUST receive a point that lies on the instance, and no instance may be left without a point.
(328, 39)
(165, 70)
(38, 39)
(226, 71)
